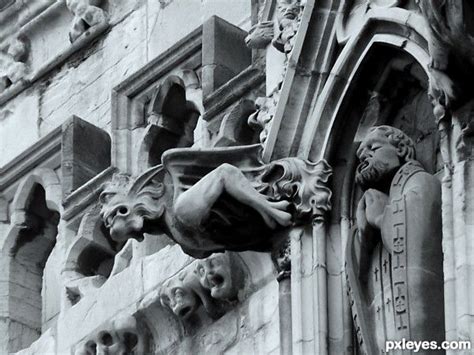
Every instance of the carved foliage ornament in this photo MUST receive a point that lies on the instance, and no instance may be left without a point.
(217, 199)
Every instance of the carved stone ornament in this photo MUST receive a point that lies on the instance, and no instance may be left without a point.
(87, 14)
(394, 262)
(12, 63)
(184, 295)
(288, 17)
(260, 35)
(122, 336)
(222, 274)
(451, 46)
(217, 199)
(262, 118)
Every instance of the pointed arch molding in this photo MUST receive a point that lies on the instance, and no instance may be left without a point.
(394, 27)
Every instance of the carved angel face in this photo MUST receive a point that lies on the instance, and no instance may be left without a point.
(182, 300)
(215, 274)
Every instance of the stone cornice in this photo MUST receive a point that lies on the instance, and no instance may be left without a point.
(86, 195)
(47, 148)
(233, 90)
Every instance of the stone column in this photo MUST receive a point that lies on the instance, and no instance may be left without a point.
(458, 226)
(309, 289)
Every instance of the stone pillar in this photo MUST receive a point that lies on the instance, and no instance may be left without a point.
(458, 226)
(309, 289)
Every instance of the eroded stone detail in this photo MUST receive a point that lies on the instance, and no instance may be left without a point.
(87, 14)
(398, 232)
(217, 199)
(451, 49)
(260, 35)
(262, 118)
(13, 66)
(289, 18)
(121, 336)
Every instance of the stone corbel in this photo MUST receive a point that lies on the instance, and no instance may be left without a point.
(184, 295)
(213, 283)
(87, 14)
(222, 274)
(124, 335)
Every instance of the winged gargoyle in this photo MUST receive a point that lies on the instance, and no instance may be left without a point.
(216, 199)
(451, 47)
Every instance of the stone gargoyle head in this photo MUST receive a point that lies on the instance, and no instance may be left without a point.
(128, 205)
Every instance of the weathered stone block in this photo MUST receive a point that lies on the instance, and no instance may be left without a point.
(224, 53)
(85, 153)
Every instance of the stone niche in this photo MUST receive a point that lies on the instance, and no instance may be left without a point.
(393, 93)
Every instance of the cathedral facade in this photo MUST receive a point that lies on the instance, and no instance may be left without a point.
(236, 177)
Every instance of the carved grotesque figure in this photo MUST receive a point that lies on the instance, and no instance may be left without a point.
(217, 199)
(222, 274)
(121, 336)
(183, 295)
(87, 13)
(394, 262)
(179, 297)
(289, 12)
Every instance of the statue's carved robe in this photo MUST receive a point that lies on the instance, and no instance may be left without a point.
(396, 290)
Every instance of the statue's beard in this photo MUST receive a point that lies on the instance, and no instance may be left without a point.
(371, 173)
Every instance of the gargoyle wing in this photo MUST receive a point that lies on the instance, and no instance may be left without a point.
(188, 165)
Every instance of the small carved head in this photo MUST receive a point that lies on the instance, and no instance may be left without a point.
(221, 274)
(121, 336)
(128, 206)
(383, 151)
(179, 297)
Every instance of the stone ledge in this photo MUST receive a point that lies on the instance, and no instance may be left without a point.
(233, 90)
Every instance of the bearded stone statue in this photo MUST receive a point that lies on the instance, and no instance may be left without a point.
(394, 262)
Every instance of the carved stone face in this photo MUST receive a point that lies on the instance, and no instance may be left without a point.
(216, 275)
(126, 215)
(182, 300)
(378, 159)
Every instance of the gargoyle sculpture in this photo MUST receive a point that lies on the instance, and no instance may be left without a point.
(217, 199)
(451, 47)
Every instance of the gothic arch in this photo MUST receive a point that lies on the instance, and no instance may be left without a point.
(396, 28)
(28, 244)
(172, 115)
